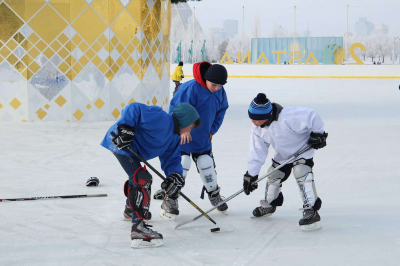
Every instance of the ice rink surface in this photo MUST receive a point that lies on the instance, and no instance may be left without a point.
(357, 177)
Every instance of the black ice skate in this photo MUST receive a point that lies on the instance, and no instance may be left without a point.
(264, 211)
(310, 221)
(128, 214)
(215, 198)
(143, 237)
(159, 194)
(169, 208)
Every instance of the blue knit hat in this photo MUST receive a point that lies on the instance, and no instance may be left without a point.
(185, 114)
(260, 108)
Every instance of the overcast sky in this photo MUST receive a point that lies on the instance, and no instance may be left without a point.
(324, 17)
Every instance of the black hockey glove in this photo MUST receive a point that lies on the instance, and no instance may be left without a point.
(92, 182)
(317, 140)
(248, 183)
(124, 137)
(173, 184)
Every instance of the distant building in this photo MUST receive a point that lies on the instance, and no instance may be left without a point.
(231, 27)
(381, 29)
(364, 27)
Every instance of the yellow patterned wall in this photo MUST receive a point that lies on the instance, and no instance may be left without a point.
(82, 60)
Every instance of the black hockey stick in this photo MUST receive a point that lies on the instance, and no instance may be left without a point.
(55, 197)
(163, 178)
(294, 156)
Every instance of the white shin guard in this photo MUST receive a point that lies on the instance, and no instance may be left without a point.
(205, 165)
(305, 181)
(273, 188)
(186, 162)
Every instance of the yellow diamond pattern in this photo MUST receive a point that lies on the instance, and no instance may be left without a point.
(125, 27)
(89, 19)
(116, 113)
(10, 25)
(48, 24)
(41, 113)
(78, 114)
(99, 103)
(89, 31)
(60, 101)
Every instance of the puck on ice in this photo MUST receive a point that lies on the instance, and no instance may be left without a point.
(215, 229)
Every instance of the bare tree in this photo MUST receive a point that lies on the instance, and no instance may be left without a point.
(370, 46)
(257, 27)
(222, 48)
(383, 46)
(235, 45)
(212, 53)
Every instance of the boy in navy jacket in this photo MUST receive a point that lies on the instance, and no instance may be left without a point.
(150, 132)
(207, 94)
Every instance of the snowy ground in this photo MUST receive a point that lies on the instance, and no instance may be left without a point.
(357, 177)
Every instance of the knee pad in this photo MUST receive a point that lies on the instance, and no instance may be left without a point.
(139, 194)
(302, 171)
(186, 162)
(273, 194)
(205, 166)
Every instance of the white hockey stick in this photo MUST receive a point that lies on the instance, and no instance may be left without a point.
(294, 156)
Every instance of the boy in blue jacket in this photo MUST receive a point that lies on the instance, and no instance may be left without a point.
(150, 132)
(207, 94)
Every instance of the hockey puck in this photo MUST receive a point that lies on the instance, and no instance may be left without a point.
(215, 229)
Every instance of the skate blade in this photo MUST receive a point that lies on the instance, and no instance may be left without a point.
(140, 243)
(223, 212)
(167, 215)
(126, 217)
(311, 227)
(265, 215)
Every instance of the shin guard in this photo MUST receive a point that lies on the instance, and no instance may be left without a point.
(205, 165)
(139, 195)
(302, 171)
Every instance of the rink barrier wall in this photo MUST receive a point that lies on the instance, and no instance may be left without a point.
(76, 60)
(307, 71)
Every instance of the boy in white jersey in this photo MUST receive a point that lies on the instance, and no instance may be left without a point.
(287, 130)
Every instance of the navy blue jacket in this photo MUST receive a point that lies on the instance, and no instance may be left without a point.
(210, 106)
(156, 135)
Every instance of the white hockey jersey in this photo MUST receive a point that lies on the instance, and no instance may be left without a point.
(287, 135)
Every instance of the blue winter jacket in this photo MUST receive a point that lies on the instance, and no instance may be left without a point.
(156, 134)
(210, 106)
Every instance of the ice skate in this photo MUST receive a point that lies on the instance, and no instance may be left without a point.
(310, 221)
(143, 237)
(128, 214)
(263, 211)
(215, 198)
(159, 194)
(169, 208)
